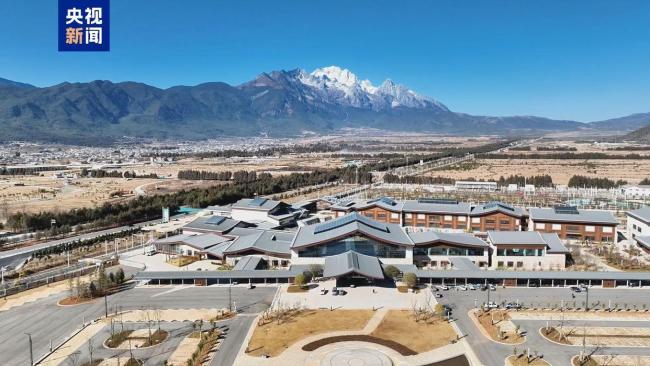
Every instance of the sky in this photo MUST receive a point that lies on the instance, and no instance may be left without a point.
(565, 59)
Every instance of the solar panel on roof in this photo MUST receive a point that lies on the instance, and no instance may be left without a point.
(441, 201)
(215, 220)
(257, 201)
(569, 210)
(388, 201)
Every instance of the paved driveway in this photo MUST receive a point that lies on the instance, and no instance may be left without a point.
(491, 353)
(46, 321)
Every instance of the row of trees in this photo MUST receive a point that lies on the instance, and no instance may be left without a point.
(538, 180)
(567, 156)
(28, 170)
(241, 176)
(594, 182)
(101, 173)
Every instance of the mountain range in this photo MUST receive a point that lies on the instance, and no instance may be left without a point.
(278, 103)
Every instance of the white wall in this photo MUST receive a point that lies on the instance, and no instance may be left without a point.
(644, 228)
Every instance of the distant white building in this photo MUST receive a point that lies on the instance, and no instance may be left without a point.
(635, 191)
(476, 186)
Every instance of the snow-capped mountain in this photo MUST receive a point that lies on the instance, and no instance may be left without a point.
(334, 85)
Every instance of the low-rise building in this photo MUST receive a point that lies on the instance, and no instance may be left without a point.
(526, 250)
(638, 226)
(573, 224)
(497, 216)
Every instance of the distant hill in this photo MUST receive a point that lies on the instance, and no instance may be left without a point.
(9, 83)
(629, 123)
(642, 135)
(279, 103)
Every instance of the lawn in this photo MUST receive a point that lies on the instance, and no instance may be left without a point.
(271, 338)
(400, 326)
(182, 260)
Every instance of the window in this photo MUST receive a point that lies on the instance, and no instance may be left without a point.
(461, 218)
(505, 222)
(574, 228)
(284, 263)
(434, 218)
(590, 229)
(476, 220)
(540, 226)
(517, 222)
(408, 215)
(381, 216)
(499, 264)
(434, 263)
(394, 215)
(520, 264)
(557, 227)
(510, 264)
(421, 216)
(608, 229)
(448, 218)
(490, 221)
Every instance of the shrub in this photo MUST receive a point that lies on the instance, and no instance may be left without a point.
(391, 271)
(410, 279)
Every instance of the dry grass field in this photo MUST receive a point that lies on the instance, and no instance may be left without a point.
(400, 326)
(561, 171)
(272, 338)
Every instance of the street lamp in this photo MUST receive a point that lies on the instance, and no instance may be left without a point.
(31, 353)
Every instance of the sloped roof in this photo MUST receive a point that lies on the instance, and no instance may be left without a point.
(501, 207)
(277, 242)
(201, 241)
(384, 202)
(550, 240)
(352, 262)
(433, 237)
(643, 241)
(348, 225)
(463, 264)
(247, 263)
(458, 208)
(582, 216)
(258, 203)
(642, 214)
(210, 223)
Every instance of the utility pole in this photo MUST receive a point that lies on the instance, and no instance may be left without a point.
(587, 302)
(105, 306)
(31, 352)
(230, 297)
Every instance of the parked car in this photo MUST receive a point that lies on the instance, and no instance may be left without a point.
(583, 285)
(335, 291)
(472, 287)
(575, 289)
(534, 284)
(323, 291)
(492, 287)
(512, 305)
(438, 295)
(462, 288)
(442, 287)
(342, 292)
(490, 305)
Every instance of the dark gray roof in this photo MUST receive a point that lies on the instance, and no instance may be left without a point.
(463, 264)
(458, 208)
(201, 241)
(433, 237)
(501, 207)
(212, 223)
(218, 249)
(246, 274)
(583, 216)
(385, 203)
(569, 275)
(352, 262)
(266, 241)
(347, 225)
(249, 262)
(554, 244)
(258, 203)
(550, 240)
(643, 241)
(642, 214)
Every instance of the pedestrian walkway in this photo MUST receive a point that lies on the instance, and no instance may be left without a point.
(59, 356)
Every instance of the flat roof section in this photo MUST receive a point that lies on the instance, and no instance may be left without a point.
(582, 216)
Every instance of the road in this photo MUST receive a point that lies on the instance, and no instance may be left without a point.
(14, 256)
(491, 353)
(46, 321)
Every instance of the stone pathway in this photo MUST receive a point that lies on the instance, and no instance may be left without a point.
(59, 356)
(183, 352)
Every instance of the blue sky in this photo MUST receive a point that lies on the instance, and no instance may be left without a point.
(583, 60)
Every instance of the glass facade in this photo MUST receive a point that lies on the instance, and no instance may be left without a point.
(448, 251)
(357, 243)
(520, 252)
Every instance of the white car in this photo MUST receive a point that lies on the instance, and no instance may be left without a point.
(462, 287)
(490, 305)
(442, 287)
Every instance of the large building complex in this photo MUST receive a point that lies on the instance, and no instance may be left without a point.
(572, 223)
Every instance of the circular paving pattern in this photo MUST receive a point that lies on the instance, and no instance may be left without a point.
(356, 356)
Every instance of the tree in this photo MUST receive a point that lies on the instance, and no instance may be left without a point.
(308, 276)
(300, 280)
(391, 271)
(316, 270)
(119, 276)
(410, 279)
